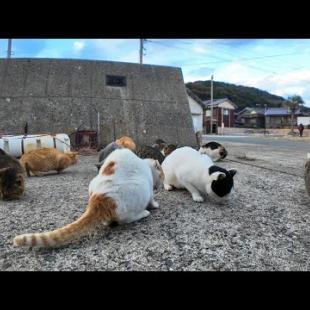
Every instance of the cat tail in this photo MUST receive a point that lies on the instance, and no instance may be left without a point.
(101, 211)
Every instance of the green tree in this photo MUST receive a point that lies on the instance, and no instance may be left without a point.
(294, 103)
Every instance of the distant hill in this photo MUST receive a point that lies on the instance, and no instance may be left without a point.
(242, 96)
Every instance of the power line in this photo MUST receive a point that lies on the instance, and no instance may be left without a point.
(219, 59)
(224, 48)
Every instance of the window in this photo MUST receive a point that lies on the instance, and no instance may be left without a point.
(226, 112)
(116, 80)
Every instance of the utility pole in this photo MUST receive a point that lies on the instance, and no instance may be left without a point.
(9, 52)
(141, 51)
(211, 117)
(142, 41)
(265, 105)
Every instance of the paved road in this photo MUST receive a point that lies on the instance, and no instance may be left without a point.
(266, 141)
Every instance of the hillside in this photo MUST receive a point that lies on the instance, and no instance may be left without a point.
(242, 96)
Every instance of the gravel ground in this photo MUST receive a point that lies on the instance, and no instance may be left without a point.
(264, 227)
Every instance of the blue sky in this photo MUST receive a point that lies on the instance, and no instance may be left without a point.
(279, 66)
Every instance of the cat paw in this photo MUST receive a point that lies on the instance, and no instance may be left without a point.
(168, 187)
(155, 204)
(197, 198)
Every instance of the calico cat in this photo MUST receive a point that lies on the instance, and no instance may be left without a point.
(47, 159)
(121, 193)
(160, 145)
(12, 180)
(126, 142)
(123, 142)
(215, 150)
(168, 149)
(146, 151)
(187, 168)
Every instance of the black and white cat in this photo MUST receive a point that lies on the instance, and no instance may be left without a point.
(215, 150)
(187, 168)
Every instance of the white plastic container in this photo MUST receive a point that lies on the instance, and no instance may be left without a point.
(18, 145)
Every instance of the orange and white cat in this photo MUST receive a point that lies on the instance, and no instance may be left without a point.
(126, 142)
(121, 192)
(47, 159)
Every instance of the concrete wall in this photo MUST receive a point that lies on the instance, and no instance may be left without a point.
(56, 96)
(271, 131)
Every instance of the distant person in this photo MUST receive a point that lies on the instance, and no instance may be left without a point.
(301, 129)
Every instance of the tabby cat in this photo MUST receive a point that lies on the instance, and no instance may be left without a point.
(12, 181)
(47, 159)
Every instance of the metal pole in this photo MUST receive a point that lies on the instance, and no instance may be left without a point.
(9, 52)
(265, 119)
(141, 51)
(98, 129)
(222, 119)
(211, 102)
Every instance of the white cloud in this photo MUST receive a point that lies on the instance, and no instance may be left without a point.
(200, 48)
(281, 84)
(78, 46)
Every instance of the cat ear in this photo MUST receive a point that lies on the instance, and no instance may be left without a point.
(218, 176)
(98, 166)
(232, 172)
(157, 164)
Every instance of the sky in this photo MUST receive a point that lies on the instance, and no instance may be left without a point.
(279, 66)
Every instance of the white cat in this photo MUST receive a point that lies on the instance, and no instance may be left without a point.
(187, 168)
(213, 149)
(121, 192)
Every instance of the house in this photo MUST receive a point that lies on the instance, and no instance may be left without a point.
(196, 107)
(269, 117)
(251, 117)
(280, 117)
(223, 114)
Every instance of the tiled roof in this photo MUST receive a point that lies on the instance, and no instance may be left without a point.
(217, 102)
(279, 111)
(195, 97)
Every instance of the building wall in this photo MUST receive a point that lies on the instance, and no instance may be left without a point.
(280, 121)
(197, 114)
(62, 95)
(228, 120)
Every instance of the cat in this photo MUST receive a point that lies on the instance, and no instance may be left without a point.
(187, 168)
(47, 159)
(215, 150)
(124, 141)
(12, 180)
(121, 192)
(168, 149)
(146, 151)
(160, 145)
